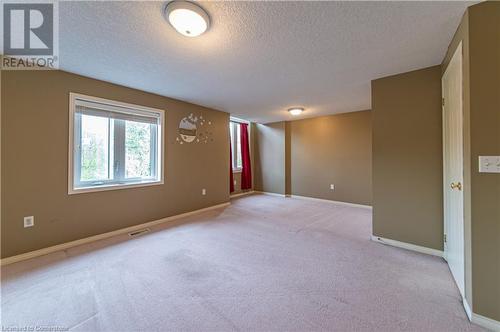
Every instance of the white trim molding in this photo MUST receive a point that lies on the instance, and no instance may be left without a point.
(245, 193)
(333, 202)
(314, 199)
(238, 120)
(487, 323)
(407, 246)
(114, 106)
(269, 193)
(67, 245)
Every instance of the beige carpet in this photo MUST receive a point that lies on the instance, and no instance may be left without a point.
(263, 264)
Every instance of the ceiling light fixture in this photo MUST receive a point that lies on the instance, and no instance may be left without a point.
(296, 110)
(187, 18)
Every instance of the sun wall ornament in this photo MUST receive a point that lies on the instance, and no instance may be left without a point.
(195, 129)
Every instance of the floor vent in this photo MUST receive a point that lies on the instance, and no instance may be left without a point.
(139, 232)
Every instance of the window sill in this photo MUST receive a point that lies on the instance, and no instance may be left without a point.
(237, 170)
(118, 186)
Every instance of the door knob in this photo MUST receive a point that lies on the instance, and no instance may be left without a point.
(457, 185)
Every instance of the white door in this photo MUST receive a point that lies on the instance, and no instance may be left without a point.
(454, 251)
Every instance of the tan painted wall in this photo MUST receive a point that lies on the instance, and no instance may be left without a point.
(270, 158)
(304, 157)
(35, 158)
(484, 34)
(480, 34)
(334, 149)
(407, 158)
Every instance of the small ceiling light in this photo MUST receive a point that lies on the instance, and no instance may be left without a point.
(296, 110)
(187, 18)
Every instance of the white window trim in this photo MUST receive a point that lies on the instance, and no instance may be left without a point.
(239, 120)
(234, 149)
(71, 190)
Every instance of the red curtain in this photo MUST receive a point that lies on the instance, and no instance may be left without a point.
(231, 180)
(246, 169)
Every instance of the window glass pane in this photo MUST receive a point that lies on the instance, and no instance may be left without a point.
(238, 146)
(114, 145)
(231, 126)
(231, 132)
(95, 148)
(138, 150)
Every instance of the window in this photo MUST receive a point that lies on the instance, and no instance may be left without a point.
(113, 145)
(234, 129)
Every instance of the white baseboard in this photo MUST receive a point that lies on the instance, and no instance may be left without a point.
(269, 193)
(250, 192)
(487, 323)
(334, 202)
(314, 199)
(408, 246)
(67, 245)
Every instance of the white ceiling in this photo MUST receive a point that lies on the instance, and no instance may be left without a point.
(258, 58)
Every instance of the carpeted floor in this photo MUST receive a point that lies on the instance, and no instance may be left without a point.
(264, 263)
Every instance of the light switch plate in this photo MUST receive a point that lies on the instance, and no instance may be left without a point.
(489, 164)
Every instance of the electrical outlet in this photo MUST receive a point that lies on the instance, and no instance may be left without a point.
(332, 187)
(29, 221)
(203, 191)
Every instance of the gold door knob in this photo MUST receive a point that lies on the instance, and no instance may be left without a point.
(457, 185)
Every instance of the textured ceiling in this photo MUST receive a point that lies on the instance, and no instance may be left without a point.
(258, 58)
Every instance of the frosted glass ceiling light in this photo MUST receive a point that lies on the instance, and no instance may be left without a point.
(187, 18)
(296, 110)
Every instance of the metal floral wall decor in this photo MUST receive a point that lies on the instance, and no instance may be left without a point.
(195, 129)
